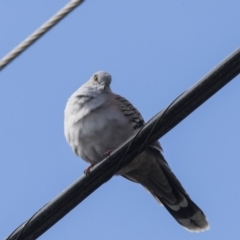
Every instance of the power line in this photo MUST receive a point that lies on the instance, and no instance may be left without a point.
(158, 126)
(39, 32)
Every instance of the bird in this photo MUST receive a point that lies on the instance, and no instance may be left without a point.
(97, 121)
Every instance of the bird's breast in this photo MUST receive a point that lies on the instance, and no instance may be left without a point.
(101, 130)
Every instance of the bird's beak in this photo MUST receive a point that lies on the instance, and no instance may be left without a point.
(103, 87)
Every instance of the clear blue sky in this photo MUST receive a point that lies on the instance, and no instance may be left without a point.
(154, 50)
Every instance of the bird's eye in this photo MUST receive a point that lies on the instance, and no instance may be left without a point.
(95, 78)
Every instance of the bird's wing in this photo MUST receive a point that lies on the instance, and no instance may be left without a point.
(153, 172)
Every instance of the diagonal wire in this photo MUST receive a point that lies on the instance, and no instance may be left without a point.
(157, 127)
(39, 32)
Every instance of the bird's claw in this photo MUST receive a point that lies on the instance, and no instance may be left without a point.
(88, 169)
(107, 153)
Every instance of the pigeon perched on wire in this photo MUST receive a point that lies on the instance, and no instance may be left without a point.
(98, 121)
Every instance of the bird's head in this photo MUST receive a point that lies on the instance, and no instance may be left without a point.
(101, 80)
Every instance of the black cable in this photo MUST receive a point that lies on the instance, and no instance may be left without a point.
(162, 123)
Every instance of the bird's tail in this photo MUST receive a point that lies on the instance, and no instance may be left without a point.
(184, 210)
(157, 177)
(186, 213)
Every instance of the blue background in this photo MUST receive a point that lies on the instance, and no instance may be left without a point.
(154, 51)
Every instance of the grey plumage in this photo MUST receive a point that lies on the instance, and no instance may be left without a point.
(97, 120)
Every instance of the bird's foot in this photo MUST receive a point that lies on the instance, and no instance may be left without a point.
(88, 169)
(107, 153)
